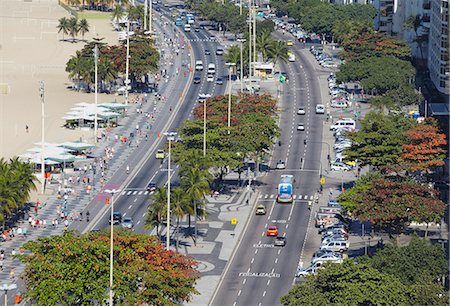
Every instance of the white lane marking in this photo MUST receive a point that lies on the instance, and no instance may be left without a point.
(279, 251)
(256, 251)
(264, 293)
(244, 281)
(140, 192)
(135, 200)
(145, 193)
(268, 282)
(129, 192)
(134, 192)
(123, 192)
(130, 206)
(124, 214)
(271, 210)
(290, 213)
(138, 222)
(271, 196)
(262, 234)
(239, 293)
(253, 259)
(276, 260)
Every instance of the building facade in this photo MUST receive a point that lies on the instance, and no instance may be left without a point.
(438, 46)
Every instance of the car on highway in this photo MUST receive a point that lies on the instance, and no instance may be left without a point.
(197, 29)
(340, 167)
(280, 241)
(219, 81)
(260, 210)
(301, 111)
(151, 187)
(210, 78)
(127, 223)
(280, 165)
(203, 97)
(117, 218)
(272, 231)
(328, 256)
(320, 109)
(290, 43)
(207, 52)
(197, 80)
(159, 154)
(219, 51)
(301, 127)
(198, 65)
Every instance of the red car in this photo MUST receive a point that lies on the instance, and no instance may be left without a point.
(272, 231)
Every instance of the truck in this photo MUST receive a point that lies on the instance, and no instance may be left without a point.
(285, 189)
(190, 18)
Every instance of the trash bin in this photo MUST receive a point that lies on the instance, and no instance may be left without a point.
(18, 298)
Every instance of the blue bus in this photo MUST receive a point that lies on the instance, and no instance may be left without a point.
(179, 22)
(285, 189)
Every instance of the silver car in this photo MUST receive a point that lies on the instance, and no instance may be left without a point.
(127, 223)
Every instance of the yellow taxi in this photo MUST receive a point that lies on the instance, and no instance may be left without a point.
(272, 231)
(159, 154)
(290, 43)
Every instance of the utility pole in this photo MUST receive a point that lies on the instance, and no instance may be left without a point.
(150, 17)
(96, 93)
(111, 245)
(204, 127)
(255, 55)
(242, 41)
(127, 65)
(170, 137)
(41, 94)
(230, 65)
(250, 41)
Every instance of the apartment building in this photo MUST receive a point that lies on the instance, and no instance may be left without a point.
(438, 46)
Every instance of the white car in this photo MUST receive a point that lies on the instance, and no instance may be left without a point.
(306, 271)
(340, 167)
(281, 165)
(300, 127)
(210, 78)
(339, 104)
(331, 256)
(320, 109)
(301, 111)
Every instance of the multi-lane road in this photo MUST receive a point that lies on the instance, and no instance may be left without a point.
(260, 273)
(133, 200)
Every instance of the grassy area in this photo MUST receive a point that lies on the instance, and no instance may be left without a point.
(93, 15)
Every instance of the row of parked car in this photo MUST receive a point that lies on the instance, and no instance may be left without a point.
(334, 229)
(324, 59)
(339, 96)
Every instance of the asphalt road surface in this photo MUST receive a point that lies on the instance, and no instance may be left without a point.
(260, 273)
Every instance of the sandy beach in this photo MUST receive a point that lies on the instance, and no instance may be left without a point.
(31, 50)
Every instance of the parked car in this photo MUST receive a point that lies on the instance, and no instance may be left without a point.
(335, 246)
(330, 238)
(280, 241)
(340, 167)
(335, 232)
(306, 271)
(329, 256)
(339, 104)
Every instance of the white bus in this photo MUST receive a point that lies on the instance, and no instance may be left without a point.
(187, 27)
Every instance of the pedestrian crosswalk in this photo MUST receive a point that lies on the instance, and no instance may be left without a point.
(295, 196)
(202, 40)
(136, 192)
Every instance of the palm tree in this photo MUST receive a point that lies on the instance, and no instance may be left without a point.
(279, 50)
(63, 26)
(180, 207)
(136, 13)
(117, 13)
(156, 211)
(73, 27)
(196, 182)
(107, 70)
(76, 66)
(83, 27)
(264, 44)
(233, 55)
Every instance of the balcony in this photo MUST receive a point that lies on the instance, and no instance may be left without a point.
(426, 6)
(425, 18)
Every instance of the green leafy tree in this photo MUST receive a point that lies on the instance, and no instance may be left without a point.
(343, 28)
(398, 98)
(74, 270)
(348, 284)
(377, 74)
(379, 141)
(413, 262)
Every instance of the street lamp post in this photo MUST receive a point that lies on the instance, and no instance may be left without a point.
(150, 17)
(204, 127)
(170, 137)
(127, 63)
(111, 256)
(145, 14)
(255, 56)
(41, 94)
(242, 41)
(7, 287)
(96, 92)
(229, 94)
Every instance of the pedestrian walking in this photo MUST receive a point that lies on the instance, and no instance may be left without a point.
(26, 128)
(12, 273)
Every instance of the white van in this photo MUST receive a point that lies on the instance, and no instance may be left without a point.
(187, 27)
(345, 123)
(211, 68)
(198, 65)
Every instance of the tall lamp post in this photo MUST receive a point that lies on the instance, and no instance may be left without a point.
(127, 63)
(41, 94)
(204, 128)
(7, 287)
(111, 257)
(145, 14)
(242, 41)
(170, 137)
(95, 50)
(229, 94)
(150, 17)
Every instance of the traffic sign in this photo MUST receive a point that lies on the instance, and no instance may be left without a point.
(233, 221)
(322, 180)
